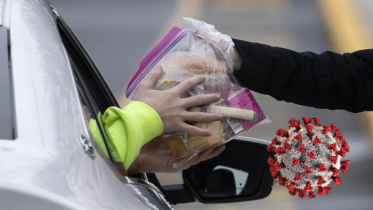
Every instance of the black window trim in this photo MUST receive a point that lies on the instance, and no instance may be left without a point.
(75, 48)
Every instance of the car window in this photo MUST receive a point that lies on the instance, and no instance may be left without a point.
(95, 96)
(7, 125)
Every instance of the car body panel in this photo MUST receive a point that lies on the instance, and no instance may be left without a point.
(46, 160)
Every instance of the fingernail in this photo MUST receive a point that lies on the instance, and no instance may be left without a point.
(218, 96)
(221, 116)
(210, 133)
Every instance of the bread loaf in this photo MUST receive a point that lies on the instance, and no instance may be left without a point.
(180, 66)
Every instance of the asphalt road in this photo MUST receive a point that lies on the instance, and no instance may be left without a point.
(118, 34)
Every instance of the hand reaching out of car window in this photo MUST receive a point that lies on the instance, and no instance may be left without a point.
(172, 109)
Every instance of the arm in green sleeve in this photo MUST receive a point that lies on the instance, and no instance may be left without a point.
(127, 130)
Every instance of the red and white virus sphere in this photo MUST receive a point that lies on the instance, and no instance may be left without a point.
(308, 157)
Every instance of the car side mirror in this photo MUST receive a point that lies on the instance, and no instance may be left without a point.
(240, 173)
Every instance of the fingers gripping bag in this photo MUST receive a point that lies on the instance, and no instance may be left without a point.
(184, 53)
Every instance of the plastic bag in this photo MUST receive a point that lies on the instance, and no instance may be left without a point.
(183, 54)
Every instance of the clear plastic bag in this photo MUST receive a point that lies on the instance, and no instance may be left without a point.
(183, 54)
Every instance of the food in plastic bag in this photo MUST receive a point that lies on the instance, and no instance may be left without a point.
(183, 54)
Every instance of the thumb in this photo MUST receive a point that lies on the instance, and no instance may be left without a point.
(154, 75)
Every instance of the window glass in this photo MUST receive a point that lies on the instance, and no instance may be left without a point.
(94, 93)
(6, 97)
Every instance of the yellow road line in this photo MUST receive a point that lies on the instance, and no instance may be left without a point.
(184, 8)
(347, 29)
(348, 32)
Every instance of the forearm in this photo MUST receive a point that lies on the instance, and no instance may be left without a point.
(328, 80)
(127, 130)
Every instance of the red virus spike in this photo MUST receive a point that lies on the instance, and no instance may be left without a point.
(340, 139)
(282, 133)
(292, 192)
(278, 166)
(281, 181)
(337, 180)
(326, 190)
(337, 133)
(316, 121)
(275, 174)
(271, 148)
(294, 162)
(298, 177)
(275, 141)
(307, 120)
(320, 180)
(333, 147)
(311, 195)
(326, 129)
(312, 154)
(309, 128)
(335, 171)
(271, 161)
(316, 141)
(302, 193)
(345, 146)
(320, 190)
(333, 126)
(301, 149)
(333, 159)
(287, 146)
(280, 151)
(308, 171)
(342, 153)
(322, 167)
(298, 137)
(294, 123)
(291, 186)
(297, 125)
(308, 186)
(344, 165)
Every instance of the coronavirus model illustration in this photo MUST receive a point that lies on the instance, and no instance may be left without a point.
(308, 157)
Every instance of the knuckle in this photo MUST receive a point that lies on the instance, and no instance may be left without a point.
(179, 124)
(172, 92)
(182, 115)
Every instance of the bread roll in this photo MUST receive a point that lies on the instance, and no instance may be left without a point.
(177, 147)
(200, 143)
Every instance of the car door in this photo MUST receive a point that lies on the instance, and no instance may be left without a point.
(95, 97)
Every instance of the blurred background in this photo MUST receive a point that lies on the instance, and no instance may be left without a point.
(118, 33)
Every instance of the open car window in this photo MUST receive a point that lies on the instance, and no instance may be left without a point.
(95, 95)
(7, 124)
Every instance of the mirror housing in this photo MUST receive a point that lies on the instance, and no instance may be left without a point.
(240, 173)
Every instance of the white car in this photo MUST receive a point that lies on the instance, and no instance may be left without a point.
(49, 90)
